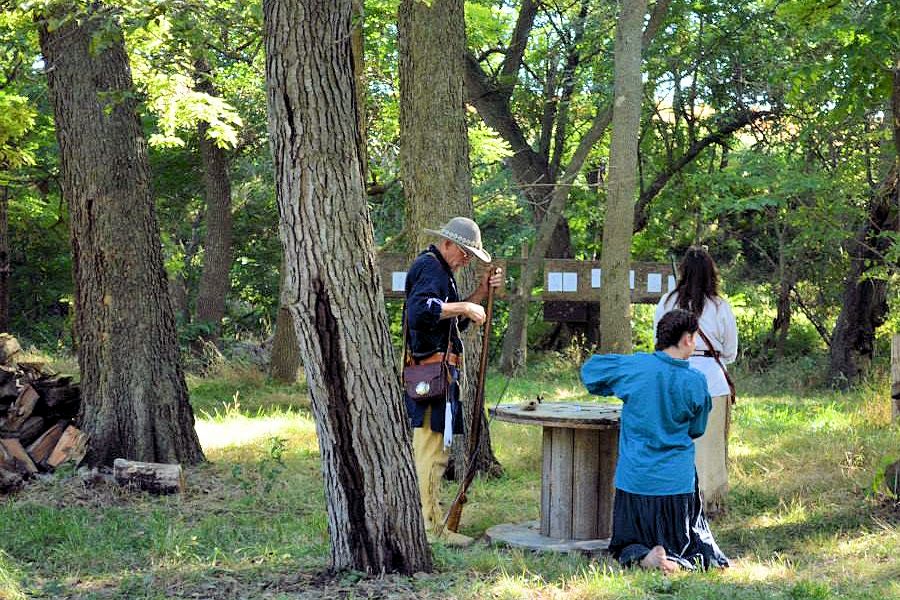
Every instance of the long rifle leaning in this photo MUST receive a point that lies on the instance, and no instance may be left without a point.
(451, 521)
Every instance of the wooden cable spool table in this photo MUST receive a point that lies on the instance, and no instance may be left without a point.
(580, 449)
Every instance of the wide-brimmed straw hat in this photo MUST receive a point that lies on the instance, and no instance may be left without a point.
(463, 232)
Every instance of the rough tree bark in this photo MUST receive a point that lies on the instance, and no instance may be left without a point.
(615, 260)
(135, 399)
(374, 517)
(214, 279)
(434, 159)
(4, 259)
(285, 362)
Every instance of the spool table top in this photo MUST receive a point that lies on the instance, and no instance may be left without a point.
(569, 415)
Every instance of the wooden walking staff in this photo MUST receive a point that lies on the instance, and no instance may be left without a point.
(451, 521)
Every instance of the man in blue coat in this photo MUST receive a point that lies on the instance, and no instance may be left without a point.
(435, 317)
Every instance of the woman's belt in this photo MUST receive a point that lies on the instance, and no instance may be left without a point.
(452, 359)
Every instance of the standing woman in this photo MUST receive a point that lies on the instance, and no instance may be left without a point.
(698, 292)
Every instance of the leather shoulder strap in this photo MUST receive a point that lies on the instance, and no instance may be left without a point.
(715, 354)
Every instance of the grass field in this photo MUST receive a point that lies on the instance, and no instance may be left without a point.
(805, 522)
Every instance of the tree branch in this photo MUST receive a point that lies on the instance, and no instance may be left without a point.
(740, 120)
(510, 68)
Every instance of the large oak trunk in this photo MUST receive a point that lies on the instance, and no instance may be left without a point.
(374, 516)
(615, 298)
(434, 159)
(135, 402)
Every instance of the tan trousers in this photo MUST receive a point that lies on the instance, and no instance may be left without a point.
(712, 455)
(431, 462)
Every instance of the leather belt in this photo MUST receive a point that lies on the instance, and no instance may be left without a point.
(452, 359)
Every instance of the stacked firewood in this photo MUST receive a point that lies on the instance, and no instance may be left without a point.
(37, 409)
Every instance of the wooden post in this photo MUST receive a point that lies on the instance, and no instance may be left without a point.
(895, 376)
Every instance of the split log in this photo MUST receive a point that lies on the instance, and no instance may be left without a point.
(7, 376)
(20, 458)
(29, 431)
(156, 478)
(9, 388)
(42, 447)
(9, 347)
(72, 446)
(56, 390)
(21, 409)
(10, 481)
(39, 368)
(62, 401)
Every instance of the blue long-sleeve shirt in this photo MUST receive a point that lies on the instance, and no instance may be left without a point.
(430, 283)
(666, 405)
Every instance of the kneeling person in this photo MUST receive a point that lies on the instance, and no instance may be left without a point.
(658, 519)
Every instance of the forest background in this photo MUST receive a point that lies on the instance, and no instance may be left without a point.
(765, 134)
(767, 131)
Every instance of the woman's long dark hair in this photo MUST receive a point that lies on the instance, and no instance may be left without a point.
(698, 280)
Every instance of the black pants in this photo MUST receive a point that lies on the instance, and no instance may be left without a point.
(674, 522)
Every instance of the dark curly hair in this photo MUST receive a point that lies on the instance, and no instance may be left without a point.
(698, 280)
(673, 325)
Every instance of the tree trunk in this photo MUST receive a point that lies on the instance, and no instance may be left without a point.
(786, 281)
(135, 399)
(4, 259)
(615, 261)
(285, 361)
(434, 159)
(357, 42)
(334, 293)
(865, 300)
(895, 376)
(214, 279)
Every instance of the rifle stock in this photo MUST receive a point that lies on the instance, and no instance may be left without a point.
(454, 514)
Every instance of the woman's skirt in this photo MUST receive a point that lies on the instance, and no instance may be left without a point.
(674, 522)
(712, 457)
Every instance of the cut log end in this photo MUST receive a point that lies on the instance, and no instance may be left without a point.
(156, 478)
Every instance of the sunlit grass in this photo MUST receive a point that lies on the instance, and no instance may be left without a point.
(10, 586)
(804, 521)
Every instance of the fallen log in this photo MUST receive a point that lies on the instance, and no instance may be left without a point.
(156, 478)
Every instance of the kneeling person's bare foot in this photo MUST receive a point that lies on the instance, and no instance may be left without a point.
(656, 559)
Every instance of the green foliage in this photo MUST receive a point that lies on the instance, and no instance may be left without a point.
(775, 202)
(17, 117)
